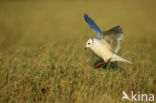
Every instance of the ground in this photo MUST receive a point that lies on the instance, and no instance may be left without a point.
(42, 56)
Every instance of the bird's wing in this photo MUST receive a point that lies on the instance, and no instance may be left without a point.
(92, 24)
(113, 37)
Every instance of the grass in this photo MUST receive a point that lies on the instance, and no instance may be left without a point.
(42, 56)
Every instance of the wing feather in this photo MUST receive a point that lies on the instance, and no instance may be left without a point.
(92, 24)
(113, 37)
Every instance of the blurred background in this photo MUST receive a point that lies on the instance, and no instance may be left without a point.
(39, 22)
(37, 35)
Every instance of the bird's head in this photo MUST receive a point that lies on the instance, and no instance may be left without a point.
(89, 43)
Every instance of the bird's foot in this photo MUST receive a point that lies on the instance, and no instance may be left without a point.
(98, 65)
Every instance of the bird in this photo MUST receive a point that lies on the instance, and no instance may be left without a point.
(107, 43)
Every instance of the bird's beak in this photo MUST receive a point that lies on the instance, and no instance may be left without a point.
(85, 48)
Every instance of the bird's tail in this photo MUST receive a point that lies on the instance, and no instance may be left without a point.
(118, 58)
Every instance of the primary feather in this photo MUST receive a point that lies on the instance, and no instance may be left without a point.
(93, 26)
(113, 37)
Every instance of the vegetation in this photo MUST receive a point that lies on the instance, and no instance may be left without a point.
(42, 56)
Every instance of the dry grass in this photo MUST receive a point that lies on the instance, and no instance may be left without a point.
(42, 58)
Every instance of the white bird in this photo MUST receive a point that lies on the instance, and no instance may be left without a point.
(106, 44)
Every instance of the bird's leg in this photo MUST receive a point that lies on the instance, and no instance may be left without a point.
(97, 65)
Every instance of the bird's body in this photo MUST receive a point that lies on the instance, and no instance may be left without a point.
(107, 43)
(103, 50)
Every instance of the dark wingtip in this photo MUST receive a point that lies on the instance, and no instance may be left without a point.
(85, 16)
(117, 29)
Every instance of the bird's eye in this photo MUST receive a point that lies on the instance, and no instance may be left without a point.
(88, 43)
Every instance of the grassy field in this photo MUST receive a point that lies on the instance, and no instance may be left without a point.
(42, 56)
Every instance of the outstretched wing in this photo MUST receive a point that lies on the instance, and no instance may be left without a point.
(92, 24)
(113, 37)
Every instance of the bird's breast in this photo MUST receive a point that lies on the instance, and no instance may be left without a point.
(102, 51)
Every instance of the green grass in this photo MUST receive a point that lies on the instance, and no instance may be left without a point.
(42, 56)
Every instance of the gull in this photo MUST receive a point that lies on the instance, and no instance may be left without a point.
(106, 44)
